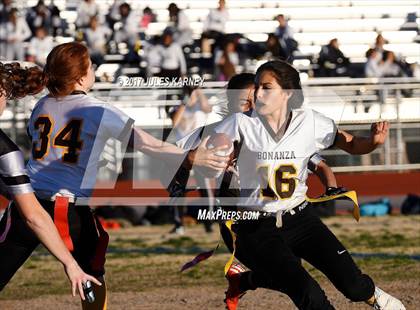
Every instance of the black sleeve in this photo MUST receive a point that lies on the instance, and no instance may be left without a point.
(6, 145)
(12, 168)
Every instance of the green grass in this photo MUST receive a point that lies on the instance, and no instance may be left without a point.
(43, 275)
(385, 239)
(148, 266)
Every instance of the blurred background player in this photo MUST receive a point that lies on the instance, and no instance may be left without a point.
(185, 119)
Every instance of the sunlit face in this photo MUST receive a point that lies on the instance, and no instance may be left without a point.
(245, 100)
(270, 97)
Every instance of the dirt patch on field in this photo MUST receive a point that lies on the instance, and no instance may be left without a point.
(209, 298)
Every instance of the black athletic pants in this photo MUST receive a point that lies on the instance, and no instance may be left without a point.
(81, 232)
(274, 256)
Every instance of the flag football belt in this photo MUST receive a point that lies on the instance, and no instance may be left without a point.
(61, 204)
(349, 195)
(61, 221)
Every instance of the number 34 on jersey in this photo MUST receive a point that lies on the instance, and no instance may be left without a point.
(67, 138)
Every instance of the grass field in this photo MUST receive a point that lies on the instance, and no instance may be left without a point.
(143, 269)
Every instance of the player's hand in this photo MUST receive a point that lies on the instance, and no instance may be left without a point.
(332, 191)
(77, 277)
(379, 132)
(207, 157)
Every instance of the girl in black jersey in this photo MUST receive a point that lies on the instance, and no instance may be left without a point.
(17, 82)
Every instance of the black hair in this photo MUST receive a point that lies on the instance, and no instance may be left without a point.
(370, 52)
(238, 81)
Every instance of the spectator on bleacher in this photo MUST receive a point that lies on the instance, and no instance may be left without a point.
(40, 46)
(274, 49)
(410, 23)
(17, 31)
(381, 66)
(226, 60)
(392, 67)
(285, 35)
(56, 21)
(373, 66)
(192, 114)
(406, 69)
(150, 49)
(129, 28)
(147, 18)
(97, 37)
(5, 7)
(85, 11)
(380, 41)
(172, 59)
(38, 16)
(114, 15)
(214, 26)
(332, 61)
(179, 21)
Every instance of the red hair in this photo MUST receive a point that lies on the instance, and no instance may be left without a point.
(66, 64)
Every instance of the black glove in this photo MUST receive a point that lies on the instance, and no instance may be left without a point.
(331, 191)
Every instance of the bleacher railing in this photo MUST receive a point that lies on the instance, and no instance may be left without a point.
(359, 102)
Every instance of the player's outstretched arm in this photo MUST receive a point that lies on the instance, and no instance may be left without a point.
(325, 174)
(42, 225)
(362, 145)
(170, 153)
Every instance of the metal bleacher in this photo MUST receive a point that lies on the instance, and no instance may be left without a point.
(354, 23)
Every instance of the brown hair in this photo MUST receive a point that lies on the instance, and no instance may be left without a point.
(66, 64)
(17, 82)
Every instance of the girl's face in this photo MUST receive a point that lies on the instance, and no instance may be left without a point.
(245, 100)
(269, 95)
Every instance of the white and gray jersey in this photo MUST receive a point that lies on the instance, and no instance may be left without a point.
(273, 170)
(68, 137)
(13, 177)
